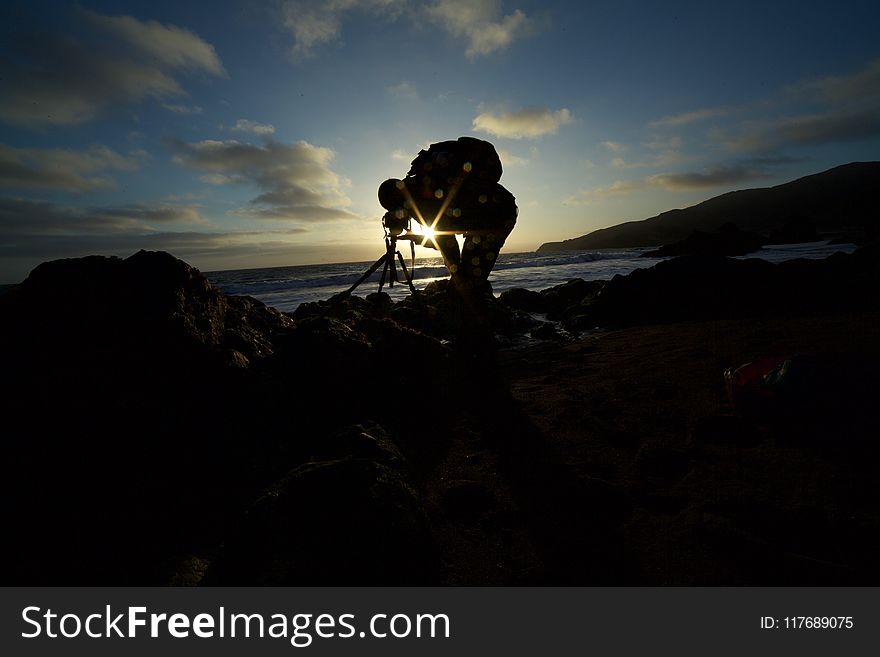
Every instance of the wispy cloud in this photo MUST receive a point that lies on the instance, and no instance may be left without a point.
(821, 110)
(687, 118)
(59, 80)
(662, 152)
(253, 127)
(296, 180)
(508, 159)
(60, 169)
(405, 90)
(23, 217)
(711, 177)
(617, 188)
(480, 23)
(528, 123)
(720, 176)
(175, 47)
(830, 127)
(185, 110)
(858, 88)
(313, 23)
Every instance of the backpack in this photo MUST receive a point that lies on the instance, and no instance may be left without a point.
(445, 161)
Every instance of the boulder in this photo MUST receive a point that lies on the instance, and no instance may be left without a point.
(525, 300)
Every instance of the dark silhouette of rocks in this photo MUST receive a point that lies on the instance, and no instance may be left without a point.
(353, 520)
(159, 431)
(728, 241)
(142, 407)
(840, 200)
(690, 287)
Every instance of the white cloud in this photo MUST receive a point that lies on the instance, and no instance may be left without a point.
(253, 127)
(296, 180)
(480, 23)
(614, 146)
(60, 80)
(55, 168)
(508, 159)
(525, 123)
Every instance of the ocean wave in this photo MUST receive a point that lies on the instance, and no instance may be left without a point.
(287, 287)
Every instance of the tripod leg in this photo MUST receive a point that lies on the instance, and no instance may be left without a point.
(384, 272)
(368, 273)
(390, 248)
(412, 288)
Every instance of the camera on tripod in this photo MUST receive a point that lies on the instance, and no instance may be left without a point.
(396, 222)
(398, 226)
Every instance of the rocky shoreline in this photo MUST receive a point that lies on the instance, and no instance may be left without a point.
(160, 432)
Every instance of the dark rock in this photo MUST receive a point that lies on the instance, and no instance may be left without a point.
(351, 522)
(367, 440)
(466, 500)
(571, 293)
(127, 385)
(729, 241)
(526, 300)
(729, 430)
(595, 504)
(546, 331)
(690, 287)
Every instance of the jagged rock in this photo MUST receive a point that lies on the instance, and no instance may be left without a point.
(526, 300)
(561, 297)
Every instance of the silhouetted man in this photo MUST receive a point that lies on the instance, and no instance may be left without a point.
(453, 188)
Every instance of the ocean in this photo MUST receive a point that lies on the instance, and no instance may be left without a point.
(285, 288)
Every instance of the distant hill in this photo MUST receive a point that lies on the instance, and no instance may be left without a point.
(842, 199)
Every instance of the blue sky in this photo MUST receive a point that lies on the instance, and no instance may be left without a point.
(246, 134)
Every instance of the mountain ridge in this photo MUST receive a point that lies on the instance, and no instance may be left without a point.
(835, 200)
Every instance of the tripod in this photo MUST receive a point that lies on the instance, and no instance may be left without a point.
(387, 261)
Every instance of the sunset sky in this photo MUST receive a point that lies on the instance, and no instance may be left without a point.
(253, 134)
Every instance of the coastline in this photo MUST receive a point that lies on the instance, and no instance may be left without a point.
(240, 445)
